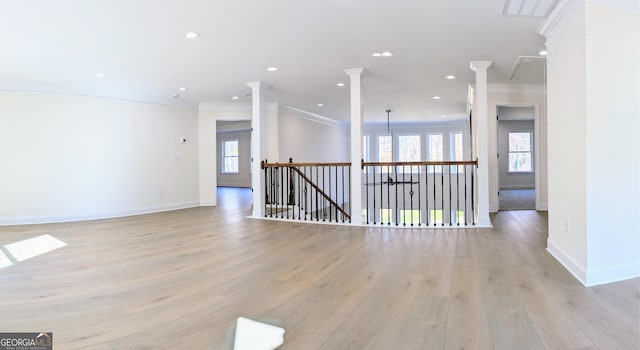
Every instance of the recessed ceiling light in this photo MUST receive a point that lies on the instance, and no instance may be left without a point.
(450, 77)
(443, 116)
(272, 69)
(182, 88)
(387, 54)
(99, 75)
(436, 97)
(376, 54)
(235, 97)
(542, 53)
(320, 105)
(340, 84)
(191, 35)
(175, 95)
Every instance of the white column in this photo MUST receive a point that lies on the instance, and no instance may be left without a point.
(481, 114)
(355, 75)
(258, 146)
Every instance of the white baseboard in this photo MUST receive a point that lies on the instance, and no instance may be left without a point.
(576, 269)
(517, 187)
(594, 276)
(542, 207)
(234, 184)
(96, 216)
(208, 203)
(613, 273)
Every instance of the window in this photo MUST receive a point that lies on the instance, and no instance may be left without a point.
(409, 151)
(230, 156)
(435, 150)
(520, 152)
(365, 148)
(457, 151)
(385, 150)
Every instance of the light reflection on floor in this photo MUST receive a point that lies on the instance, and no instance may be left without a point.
(4, 261)
(29, 248)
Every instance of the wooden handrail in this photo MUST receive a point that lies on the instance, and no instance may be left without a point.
(321, 192)
(444, 162)
(264, 164)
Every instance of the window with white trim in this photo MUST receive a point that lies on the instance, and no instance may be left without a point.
(435, 151)
(457, 150)
(408, 151)
(230, 157)
(520, 153)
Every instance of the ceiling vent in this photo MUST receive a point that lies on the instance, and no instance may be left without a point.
(531, 8)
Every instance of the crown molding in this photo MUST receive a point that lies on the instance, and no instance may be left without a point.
(312, 116)
(549, 25)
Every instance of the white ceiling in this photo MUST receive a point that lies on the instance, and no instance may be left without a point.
(60, 45)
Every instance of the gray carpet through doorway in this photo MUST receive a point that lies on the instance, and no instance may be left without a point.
(517, 199)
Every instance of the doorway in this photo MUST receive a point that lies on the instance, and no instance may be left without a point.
(234, 153)
(516, 158)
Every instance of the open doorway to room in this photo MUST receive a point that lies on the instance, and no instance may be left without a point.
(234, 154)
(516, 158)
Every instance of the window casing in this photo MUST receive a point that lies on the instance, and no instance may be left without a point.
(520, 152)
(230, 157)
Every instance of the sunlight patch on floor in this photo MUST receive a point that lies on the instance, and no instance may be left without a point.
(31, 247)
(4, 261)
(254, 335)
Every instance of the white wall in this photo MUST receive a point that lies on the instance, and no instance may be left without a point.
(73, 157)
(306, 139)
(519, 96)
(612, 140)
(594, 149)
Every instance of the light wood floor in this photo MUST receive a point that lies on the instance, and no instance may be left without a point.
(178, 280)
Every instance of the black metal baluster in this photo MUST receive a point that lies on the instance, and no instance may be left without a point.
(473, 215)
(324, 200)
(367, 185)
(374, 194)
(404, 198)
(450, 209)
(271, 192)
(466, 205)
(419, 197)
(426, 190)
(434, 197)
(411, 195)
(389, 195)
(442, 191)
(266, 187)
(457, 194)
(349, 191)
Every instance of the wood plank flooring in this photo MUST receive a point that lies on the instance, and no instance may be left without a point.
(179, 280)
